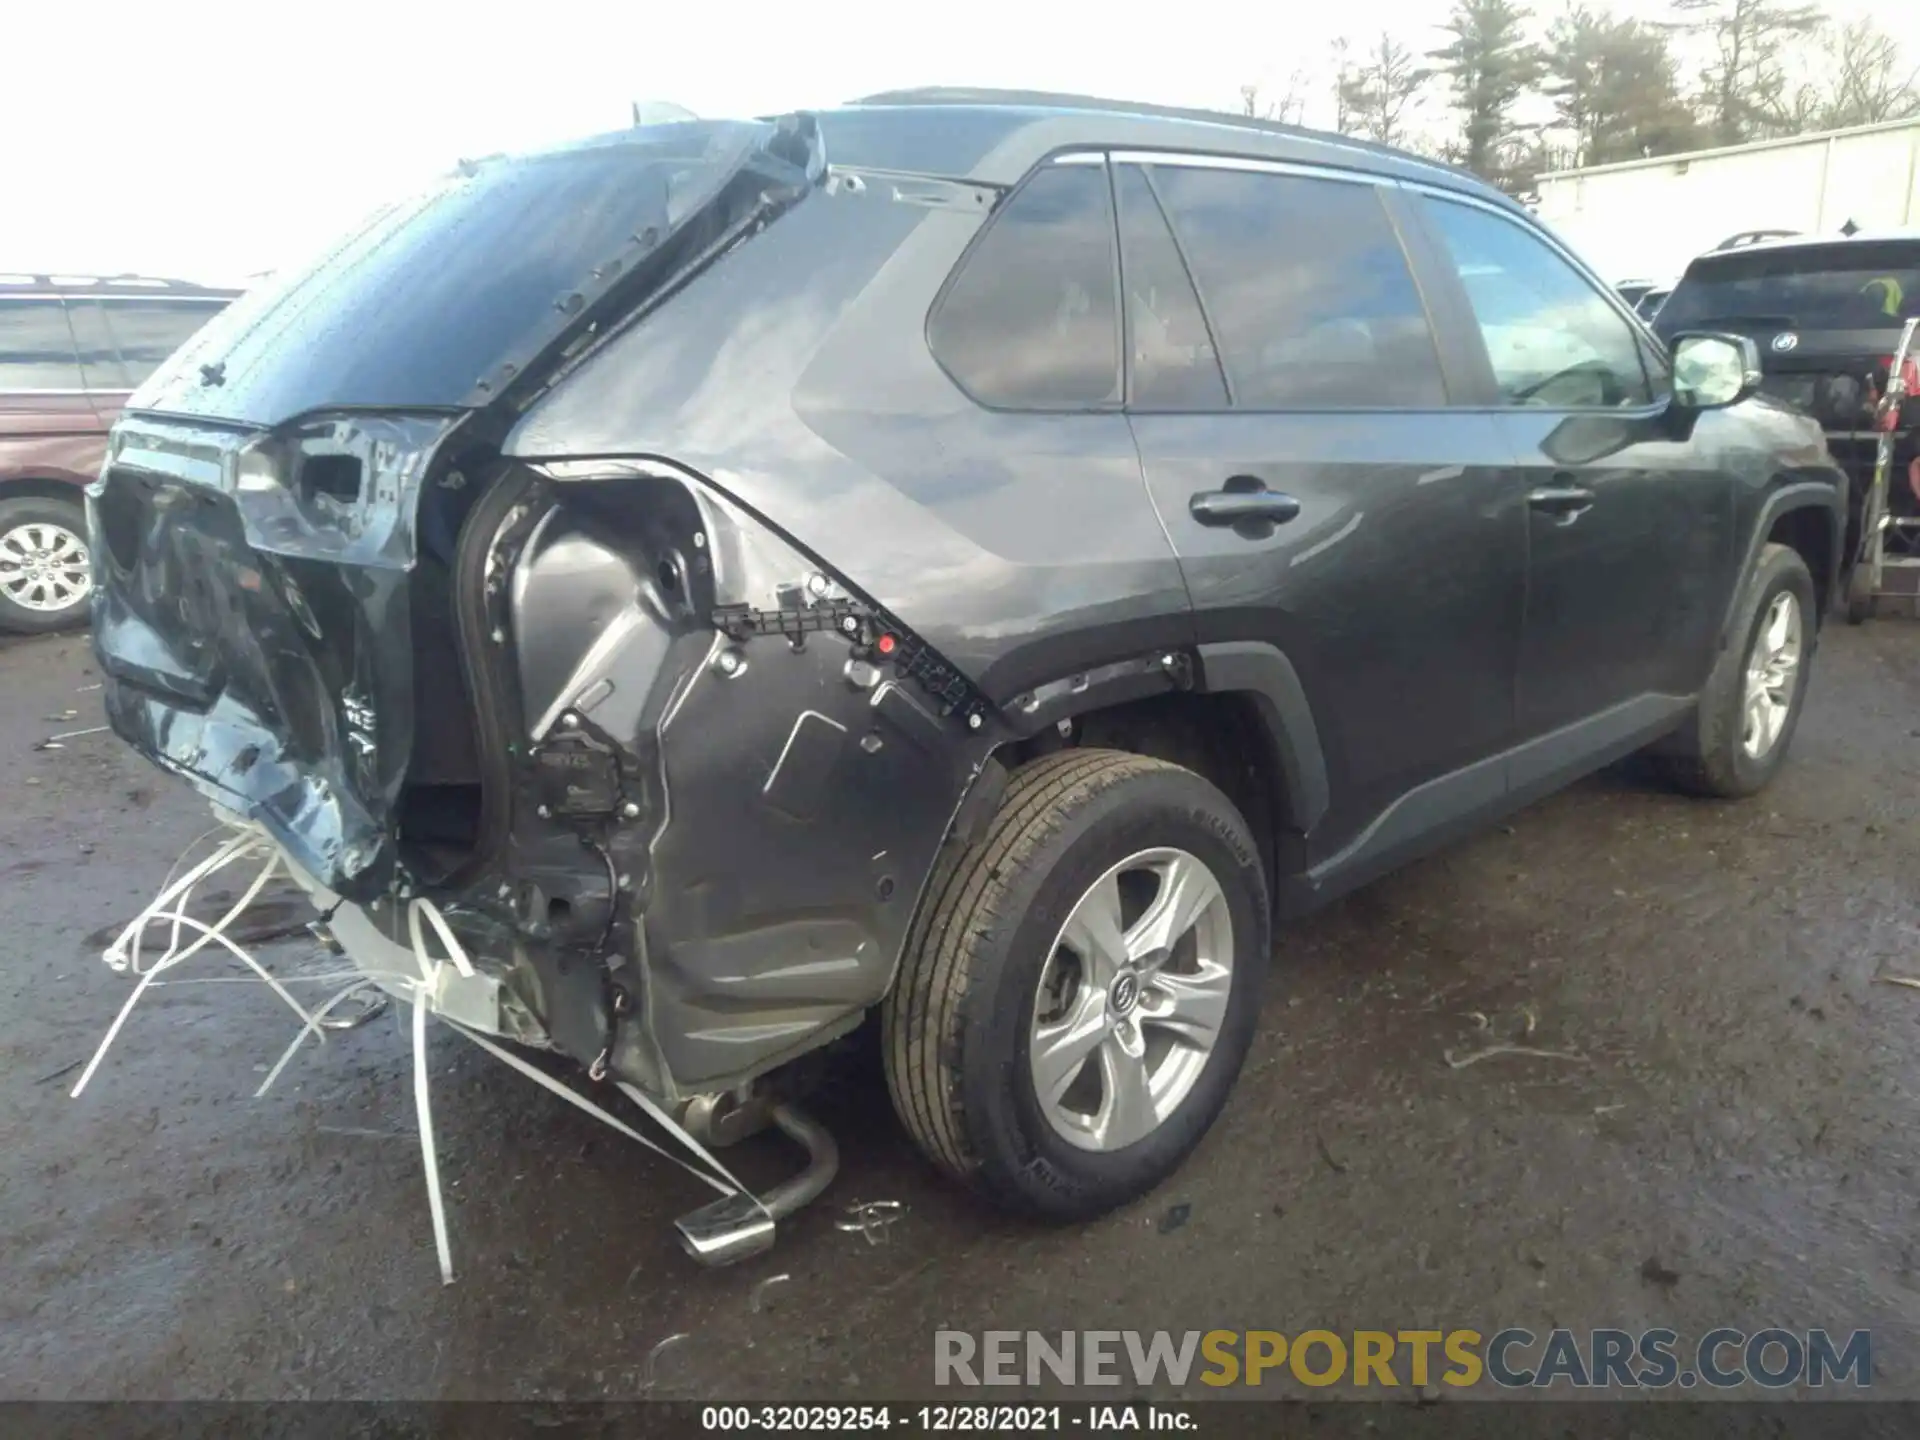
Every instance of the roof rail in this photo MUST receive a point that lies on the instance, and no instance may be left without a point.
(1052, 100)
(62, 281)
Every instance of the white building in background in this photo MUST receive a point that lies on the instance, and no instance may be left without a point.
(1648, 218)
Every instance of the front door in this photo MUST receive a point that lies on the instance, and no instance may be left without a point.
(1296, 435)
(1629, 529)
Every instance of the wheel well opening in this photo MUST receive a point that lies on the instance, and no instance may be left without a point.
(1217, 736)
(34, 487)
(1809, 531)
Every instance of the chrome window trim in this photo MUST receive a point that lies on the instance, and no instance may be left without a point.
(1207, 160)
(1201, 160)
(1527, 226)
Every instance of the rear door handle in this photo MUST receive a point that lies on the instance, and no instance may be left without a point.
(1566, 503)
(1245, 500)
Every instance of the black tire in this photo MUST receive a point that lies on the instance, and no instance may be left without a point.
(1709, 758)
(956, 1026)
(37, 510)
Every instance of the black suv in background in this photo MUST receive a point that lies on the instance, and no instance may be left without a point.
(72, 348)
(1826, 315)
(986, 559)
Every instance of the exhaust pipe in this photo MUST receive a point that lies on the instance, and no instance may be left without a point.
(739, 1226)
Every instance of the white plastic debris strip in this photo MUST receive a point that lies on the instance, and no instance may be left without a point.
(436, 955)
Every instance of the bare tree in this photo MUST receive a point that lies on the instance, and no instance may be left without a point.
(1744, 90)
(1292, 104)
(1866, 80)
(1290, 108)
(1377, 96)
(1342, 74)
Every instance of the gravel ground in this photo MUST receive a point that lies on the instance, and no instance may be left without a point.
(1733, 1145)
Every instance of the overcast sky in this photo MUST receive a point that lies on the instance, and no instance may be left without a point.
(208, 139)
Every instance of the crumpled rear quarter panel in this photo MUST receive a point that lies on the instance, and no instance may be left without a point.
(796, 799)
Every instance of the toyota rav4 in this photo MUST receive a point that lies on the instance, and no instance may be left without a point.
(984, 560)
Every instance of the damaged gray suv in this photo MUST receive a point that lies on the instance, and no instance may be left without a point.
(978, 559)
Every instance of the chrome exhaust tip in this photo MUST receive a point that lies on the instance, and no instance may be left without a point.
(733, 1228)
(739, 1226)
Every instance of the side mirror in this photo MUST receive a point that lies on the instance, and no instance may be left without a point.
(1711, 372)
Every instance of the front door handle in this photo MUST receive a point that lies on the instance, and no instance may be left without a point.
(1566, 503)
(1245, 501)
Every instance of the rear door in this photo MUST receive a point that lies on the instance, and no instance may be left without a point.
(1278, 343)
(1629, 532)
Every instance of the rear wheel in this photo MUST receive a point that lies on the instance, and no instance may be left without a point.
(1738, 737)
(1082, 986)
(46, 573)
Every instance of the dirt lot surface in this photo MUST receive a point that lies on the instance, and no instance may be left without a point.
(1735, 1143)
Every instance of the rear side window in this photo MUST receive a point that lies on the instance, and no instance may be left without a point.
(100, 365)
(1031, 321)
(146, 332)
(1553, 339)
(1309, 291)
(36, 349)
(1170, 352)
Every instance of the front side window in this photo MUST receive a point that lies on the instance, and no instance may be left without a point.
(36, 348)
(1552, 338)
(1654, 361)
(1031, 321)
(1307, 287)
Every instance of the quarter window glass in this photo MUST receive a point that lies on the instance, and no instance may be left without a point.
(1031, 322)
(146, 332)
(1307, 288)
(100, 364)
(1552, 338)
(36, 350)
(1171, 354)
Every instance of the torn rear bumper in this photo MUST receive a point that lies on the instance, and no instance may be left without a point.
(253, 622)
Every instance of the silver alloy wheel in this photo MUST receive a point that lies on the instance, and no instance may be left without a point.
(1773, 667)
(44, 566)
(1131, 999)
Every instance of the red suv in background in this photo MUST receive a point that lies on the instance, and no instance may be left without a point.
(72, 348)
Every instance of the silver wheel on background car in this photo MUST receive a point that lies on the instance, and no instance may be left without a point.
(1773, 670)
(1131, 1000)
(44, 566)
